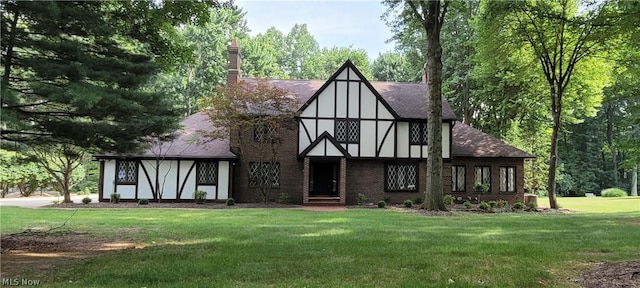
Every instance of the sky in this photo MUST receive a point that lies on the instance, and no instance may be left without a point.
(332, 23)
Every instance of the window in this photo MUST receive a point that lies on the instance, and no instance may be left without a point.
(264, 174)
(458, 176)
(401, 177)
(418, 135)
(347, 131)
(127, 172)
(263, 132)
(483, 176)
(207, 173)
(508, 179)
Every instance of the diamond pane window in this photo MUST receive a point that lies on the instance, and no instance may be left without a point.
(347, 131)
(483, 176)
(264, 174)
(263, 132)
(401, 177)
(418, 133)
(458, 175)
(126, 172)
(507, 179)
(207, 173)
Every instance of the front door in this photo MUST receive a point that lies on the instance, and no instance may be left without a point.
(324, 178)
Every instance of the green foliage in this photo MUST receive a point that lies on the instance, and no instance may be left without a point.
(361, 198)
(114, 198)
(86, 200)
(613, 192)
(484, 205)
(283, 198)
(532, 205)
(73, 71)
(448, 199)
(19, 170)
(392, 66)
(407, 203)
(501, 203)
(382, 204)
(493, 204)
(231, 202)
(481, 188)
(518, 205)
(467, 204)
(200, 196)
(143, 201)
(387, 199)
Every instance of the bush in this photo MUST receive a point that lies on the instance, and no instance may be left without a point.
(283, 198)
(501, 203)
(448, 199)
(361, 198)
(467, 204)
(86, 200)
(518, 205)
(143, 202)
(493, 204)
(382, 204)
(387, 199)
(408, 203)
(114, 198)
(484, 205)
(532, 205)
(231, 202)
(419, 200)
(613, 192)
(200, 196)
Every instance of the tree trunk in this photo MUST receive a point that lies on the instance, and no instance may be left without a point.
(434, 191)
(634, 181)
(553, 161)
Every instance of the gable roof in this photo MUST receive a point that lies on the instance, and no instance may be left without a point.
(189, 143)
(471, 142)
(330, 140)
(406, 100)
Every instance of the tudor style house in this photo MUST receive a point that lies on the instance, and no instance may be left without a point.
(351, 136)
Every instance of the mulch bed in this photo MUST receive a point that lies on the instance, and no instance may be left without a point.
(612, 275)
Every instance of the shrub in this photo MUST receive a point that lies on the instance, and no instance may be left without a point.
(86, 200)
(532, 205)
(518, 205)
(143, 202)
(419, 200)
(467, 204)
(231, 202)
(408, 203)
(114, 198)
(200, 196)
(484, 205)
(361, 198)
(283, 198)
(387, 199)
(613, 192)
(501, 203)
(447, 199)
(481, 188)
(381, 204)
(493, 204)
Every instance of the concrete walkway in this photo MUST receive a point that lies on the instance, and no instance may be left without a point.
(324, 208)
(39, 201)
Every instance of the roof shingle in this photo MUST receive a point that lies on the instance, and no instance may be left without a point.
(471, 142)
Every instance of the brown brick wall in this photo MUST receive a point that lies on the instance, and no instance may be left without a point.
(495, 164)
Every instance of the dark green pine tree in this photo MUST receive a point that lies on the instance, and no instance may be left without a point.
(72, 73)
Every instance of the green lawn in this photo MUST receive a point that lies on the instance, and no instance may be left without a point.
(354, 248)
(596, 204)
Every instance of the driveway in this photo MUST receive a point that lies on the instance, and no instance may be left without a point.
(38, 201)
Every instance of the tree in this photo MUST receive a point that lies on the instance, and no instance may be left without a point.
(196, 78)
(64, 165)
(560, 38)
(330, 59)
(299, 47)
(72, 70)
(430, 16)
(19, 170)
(391, 66)
(262, 55)
(253, 115)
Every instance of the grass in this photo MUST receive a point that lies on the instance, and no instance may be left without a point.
(354, 248)
(596, 204)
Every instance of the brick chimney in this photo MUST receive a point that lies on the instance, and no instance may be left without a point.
(233, 75)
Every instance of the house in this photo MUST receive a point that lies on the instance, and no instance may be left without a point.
(350, 136)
